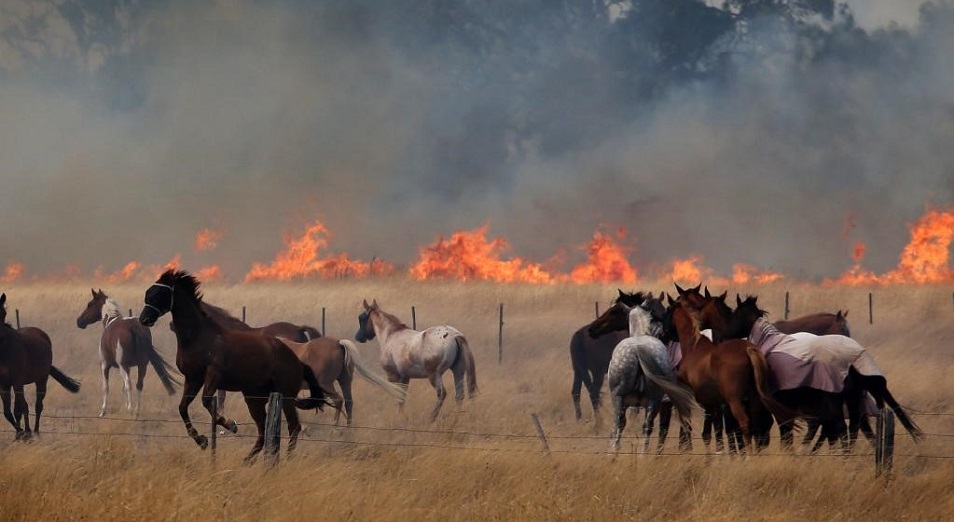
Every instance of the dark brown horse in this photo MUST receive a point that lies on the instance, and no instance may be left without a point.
(296, 332)
(334, 360)
(590, 357)
(26, 357)
(732, 372)
(212, 358)
(821, 323)
(124, 344)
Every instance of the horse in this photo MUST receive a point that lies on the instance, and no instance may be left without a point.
(336, 360)
(640, 372)
(411, 354)
(835, 365)
(26, 357)
(590, 358)
(301, 333)
(211, 357)
(125, 343)
(732, 372)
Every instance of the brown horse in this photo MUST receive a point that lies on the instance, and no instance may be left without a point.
(124, 344)
(301, 333)
(211, 358)
(821, 323)
(590, 357)
(732, 372)
(26, 357)
(335, 360)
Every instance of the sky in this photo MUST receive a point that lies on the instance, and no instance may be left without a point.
(123, 139)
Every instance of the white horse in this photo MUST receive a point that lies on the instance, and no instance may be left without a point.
(411, 354)
(640, 373)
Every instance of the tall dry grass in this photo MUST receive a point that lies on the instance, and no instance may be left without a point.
(484, 461)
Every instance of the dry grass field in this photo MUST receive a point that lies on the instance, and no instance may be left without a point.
(481, 461)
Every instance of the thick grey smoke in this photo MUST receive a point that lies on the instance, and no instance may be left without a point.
(128, 127)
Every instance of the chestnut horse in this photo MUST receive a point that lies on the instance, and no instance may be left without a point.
(732, 372)
(335, 360)
(125, 343)
(211, 357)
(590, 357)
(411, 354)
(26, 357)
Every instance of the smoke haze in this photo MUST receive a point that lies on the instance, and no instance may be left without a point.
(131, 126)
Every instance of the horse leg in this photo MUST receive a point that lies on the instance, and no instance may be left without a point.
(7, 413)
(575, 390)
(140, 377)
(294, 425)
(811, 430)
(438, 383)
(221, 400)
(256, 409)
(127, 387)
(208, 400)
(651, 412)
(102, 411)
(665, 417)
(619, 413)
(40, 395)
(189, 390)
(737, 409)
(21, 410)
(707, 428)
(595, 389)
(344, 381)
(403, 381)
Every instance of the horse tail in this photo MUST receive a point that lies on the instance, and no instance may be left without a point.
(353, 361)
(71, 385)
(163, 368)
(877, 386)
(657, 371)
(760, 371)
(581, 375)
(318, 397)
(470, 368)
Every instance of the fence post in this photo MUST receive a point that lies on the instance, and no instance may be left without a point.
(130, 312)
(884, 442)
(596, 308)
(786, 305)
(323, 331)
(870, 308)
(540, 433)
(413, 318)
(243, 313)
(18, 318)
(214, 434)
(500, 337)
(273, 427)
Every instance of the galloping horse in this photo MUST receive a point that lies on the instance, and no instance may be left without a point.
(732, 372)
(832, 364)
(26, 357)
(411, 354)
(590, 357)
(211, 358)
(125, 343)
(335, 360)
(640, 372)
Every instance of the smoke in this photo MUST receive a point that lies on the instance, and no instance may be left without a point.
(129, 127)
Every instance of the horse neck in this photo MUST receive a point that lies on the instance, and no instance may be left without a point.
(639, 321)
(687, 329)
(189, 319)
(110, 312)
(385, 325)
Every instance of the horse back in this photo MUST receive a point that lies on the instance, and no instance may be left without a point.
(247, 360)
(126, 341)
(38, 350)
(594, 354)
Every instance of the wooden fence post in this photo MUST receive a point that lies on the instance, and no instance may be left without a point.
(323, 331)
(870, 308)
(540, 433)
(214, 434)
(786, 305)
(596, 307)
(500, 337)
(18, 318)
(413, 318)
(884, 442)
(243, 313)
(130, 312)
(273, 428)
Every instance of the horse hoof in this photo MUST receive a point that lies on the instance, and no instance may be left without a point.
(232, 426)
(202, 441)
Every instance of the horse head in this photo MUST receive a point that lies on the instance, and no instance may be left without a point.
(715, 314)
(365, 327)
(614, 319)
(3, 308)
(161, 296)
(93, 313)
(745, 314)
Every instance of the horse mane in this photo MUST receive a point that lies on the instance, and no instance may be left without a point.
(111, 308)
(630, 299)
(184, 279)
(639, 321)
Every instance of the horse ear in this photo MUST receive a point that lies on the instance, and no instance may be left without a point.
(843, 315)
(374, 303)
(669, 300)
(679, 288)
(723, 296)
(364, 302)
(661, 295)
(738, 300)
(621, 294)
(696, 289)
(707, 295)
(94, 293)
(3, 299)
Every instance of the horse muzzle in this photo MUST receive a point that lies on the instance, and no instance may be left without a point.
(148, 319)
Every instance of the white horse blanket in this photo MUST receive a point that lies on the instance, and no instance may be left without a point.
(807, 360)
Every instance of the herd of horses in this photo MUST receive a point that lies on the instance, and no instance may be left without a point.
(690, 353)
(744, 371)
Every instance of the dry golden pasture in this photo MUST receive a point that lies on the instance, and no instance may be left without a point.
(478, 462)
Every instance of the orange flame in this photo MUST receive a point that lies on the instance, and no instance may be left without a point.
(605, 262)
(923, 260)
(300, 258)
(13, 272)
(469, 255)
(743, 273)
(858, 253)
(688, 271)
(206, 240)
